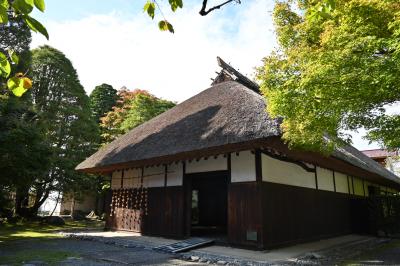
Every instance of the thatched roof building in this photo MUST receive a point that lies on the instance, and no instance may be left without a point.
(226, 117)
(216, 164)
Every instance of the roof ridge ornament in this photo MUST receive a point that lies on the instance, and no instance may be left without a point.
(230, 73)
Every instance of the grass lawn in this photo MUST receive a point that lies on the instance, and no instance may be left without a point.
(35, 230)
(15, 236)
(47, 256)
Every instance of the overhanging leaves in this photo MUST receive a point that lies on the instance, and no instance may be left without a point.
(5, 68)
(36, 26)
(165, 26)
(150, 8)
(3, 14)
(40, 5)
(175, 4)
(23, 6)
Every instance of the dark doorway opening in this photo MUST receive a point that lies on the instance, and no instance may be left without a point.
(209, 204)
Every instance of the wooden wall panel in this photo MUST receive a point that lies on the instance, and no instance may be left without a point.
(294, 214)
(164, 215)
(244, 214)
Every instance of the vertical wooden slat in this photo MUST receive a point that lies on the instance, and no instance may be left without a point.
(334, 180)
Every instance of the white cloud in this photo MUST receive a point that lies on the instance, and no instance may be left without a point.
(131, 51)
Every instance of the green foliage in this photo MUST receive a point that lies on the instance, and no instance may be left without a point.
(132, 109)
(36, 26)
(102, 99)
(335, 73)
(24, 153)
(66, 118)
(150, 8)
(5, 67)
(143, 108)
(15, 38)
(164, 25)
(14, 17)
(40, 4)
(175, 4)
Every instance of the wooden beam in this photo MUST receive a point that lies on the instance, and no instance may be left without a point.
(239, 76)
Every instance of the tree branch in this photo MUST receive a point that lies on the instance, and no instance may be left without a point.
(205, 12)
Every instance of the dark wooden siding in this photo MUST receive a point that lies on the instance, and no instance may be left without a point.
(244, 214)
(294, 214)
(164, 212)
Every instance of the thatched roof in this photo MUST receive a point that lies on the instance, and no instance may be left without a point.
(226, 113)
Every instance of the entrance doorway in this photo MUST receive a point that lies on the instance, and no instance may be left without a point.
(209, 204)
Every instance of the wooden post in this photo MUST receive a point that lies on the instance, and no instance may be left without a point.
(334, 180)
(260, 192)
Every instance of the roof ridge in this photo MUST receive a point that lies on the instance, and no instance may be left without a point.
(230, 73)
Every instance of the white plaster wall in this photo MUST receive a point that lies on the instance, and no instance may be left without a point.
(154, 176)
(116, 179)
(175, 175)
(325, 179)
(358, 187)
(243, 167)
(203, 165)
(277, 171)
(341, 183)
(131, 177)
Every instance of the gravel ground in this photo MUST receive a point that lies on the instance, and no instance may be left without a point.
(92, 253)
(357, 253)
(100, 251)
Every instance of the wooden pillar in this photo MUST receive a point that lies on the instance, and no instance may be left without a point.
(334, 180)
(260, 196)
(187, 199)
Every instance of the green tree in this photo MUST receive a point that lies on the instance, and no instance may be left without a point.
(102, 100)
(24, 154)
(15, 18)
(65, 116)
(16, 36)
(334, 72)
(143, 108)
(132, 109)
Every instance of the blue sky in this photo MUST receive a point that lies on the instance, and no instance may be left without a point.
(114, 42)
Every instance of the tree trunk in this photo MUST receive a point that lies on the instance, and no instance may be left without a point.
(55, 207)
(21, 201)
(40, 199)
(72, 207)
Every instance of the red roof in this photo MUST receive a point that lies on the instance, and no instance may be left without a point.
(379, 153)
